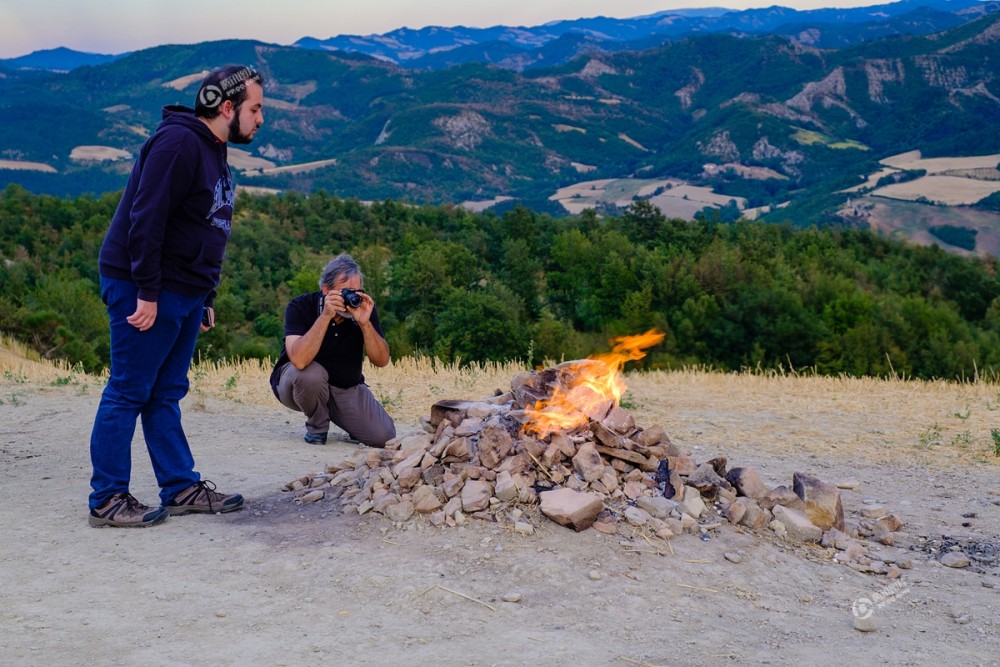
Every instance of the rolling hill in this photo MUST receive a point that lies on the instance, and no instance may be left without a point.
(763, 118)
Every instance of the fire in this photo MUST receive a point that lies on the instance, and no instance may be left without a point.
(586, 389)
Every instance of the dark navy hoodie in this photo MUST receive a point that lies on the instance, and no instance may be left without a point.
(173, 221)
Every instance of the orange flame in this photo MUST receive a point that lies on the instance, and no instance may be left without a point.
(588, 388)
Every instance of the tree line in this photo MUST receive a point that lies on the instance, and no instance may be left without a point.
(524, 285)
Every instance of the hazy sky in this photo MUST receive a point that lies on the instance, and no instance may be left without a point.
(115, 26)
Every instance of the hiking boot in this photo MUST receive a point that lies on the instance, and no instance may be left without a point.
(202, 497)
(315, 438)
(122, 510)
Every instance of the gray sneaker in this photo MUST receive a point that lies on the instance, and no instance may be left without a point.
(202, 497)
(122, 510)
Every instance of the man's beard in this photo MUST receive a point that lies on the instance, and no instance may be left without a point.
(235, 135)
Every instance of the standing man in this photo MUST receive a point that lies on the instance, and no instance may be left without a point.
(159, 266)
(327, 335)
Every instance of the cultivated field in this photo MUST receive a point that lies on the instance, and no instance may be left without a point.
(959, 181)
(27, 166)
(676, 199)
(98, 154)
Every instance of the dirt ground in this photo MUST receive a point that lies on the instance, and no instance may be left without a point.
(286, 584)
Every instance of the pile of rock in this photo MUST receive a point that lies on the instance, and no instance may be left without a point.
(478, 458)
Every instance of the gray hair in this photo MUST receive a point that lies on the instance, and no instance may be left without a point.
(341, 266)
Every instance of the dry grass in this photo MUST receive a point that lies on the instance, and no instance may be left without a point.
(874, 420)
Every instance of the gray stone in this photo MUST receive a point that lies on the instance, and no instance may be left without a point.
(469, 426)
(734, 557)
(865, 623)
(657, 506)
(955, 559)
(523, 528)
(637, 516)
(311, 497)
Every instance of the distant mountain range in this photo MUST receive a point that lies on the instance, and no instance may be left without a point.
(437, 47)
(554, 43)
(57, 60)
(750, 105)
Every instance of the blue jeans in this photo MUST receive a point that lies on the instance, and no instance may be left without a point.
(148, 379)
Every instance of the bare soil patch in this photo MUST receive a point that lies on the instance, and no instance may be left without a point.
(27, 166)
(287, 584)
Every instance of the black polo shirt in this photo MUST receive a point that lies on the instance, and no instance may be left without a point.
(342, 350)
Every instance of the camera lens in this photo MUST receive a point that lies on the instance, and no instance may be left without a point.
(351, 298)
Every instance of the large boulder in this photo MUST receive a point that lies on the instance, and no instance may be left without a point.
(821, 501)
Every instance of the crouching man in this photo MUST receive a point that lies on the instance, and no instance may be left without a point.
(327, 335)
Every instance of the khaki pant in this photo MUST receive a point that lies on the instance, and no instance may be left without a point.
(355, 409)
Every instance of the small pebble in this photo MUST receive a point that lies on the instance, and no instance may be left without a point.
(524, 528)
(734, 557)
(865, 624)
(512, 597)
(220, 614)
(955, 559)
(594, 575)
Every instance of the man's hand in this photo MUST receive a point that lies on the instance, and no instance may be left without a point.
(207, 318)
(363, 313)
(144, 316)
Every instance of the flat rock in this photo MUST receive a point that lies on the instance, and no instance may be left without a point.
(797, 524)
(574, 509)
(657, 506)
(637, 516)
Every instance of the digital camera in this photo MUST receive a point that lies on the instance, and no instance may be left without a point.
(352, 299)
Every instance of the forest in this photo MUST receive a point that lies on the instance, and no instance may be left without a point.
(518, 284)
